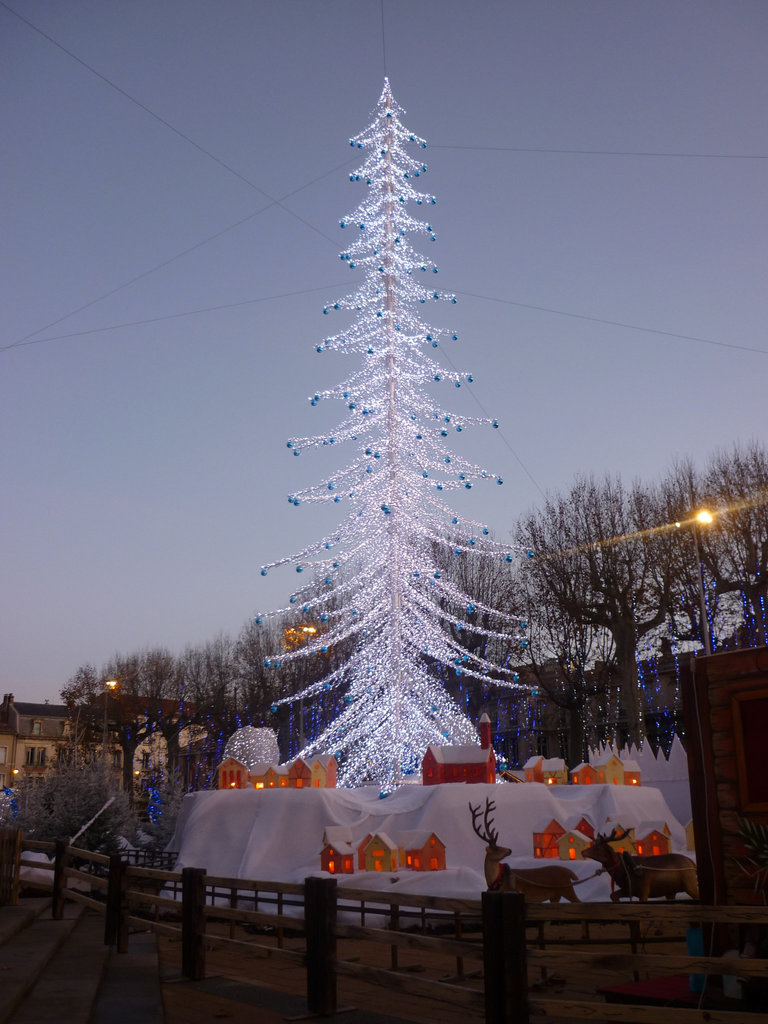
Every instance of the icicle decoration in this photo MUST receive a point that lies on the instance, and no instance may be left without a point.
(378, 585)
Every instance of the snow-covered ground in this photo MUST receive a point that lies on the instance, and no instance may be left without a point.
(277, 834)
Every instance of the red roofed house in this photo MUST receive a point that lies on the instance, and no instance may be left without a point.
(464, 763)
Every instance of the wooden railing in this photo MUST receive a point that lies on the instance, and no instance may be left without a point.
(494, 951)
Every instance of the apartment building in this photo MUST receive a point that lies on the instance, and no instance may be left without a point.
(33, 737)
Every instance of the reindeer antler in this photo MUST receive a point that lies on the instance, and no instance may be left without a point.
(489, 835)
(614, 838)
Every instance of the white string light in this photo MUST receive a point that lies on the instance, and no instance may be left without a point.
(378, 583)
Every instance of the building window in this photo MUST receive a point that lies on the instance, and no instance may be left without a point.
(37, 728)
(117, 758)
(3, 755)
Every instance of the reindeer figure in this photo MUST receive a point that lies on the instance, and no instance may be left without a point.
(664, 874)
(537, 884)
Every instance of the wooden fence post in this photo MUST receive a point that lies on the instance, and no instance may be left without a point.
(115, 925)
(320, 928)
(193, 923)
(10, 855)
(59, 880)
(504, 958)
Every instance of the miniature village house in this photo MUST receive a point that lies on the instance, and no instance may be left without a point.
(269, 776)
(462, 763)
(610, 770)
(378, 853)
(320, 772)
(625, 845)
(546, 839)
(338, 858)
(571, 845)
(652, 838)
(421, 850)
(585, 825)
(550, 770)
(584, 775)
(233, 774)
(299, 774)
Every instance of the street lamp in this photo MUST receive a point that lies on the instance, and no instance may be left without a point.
(703, 517)
(109, 686)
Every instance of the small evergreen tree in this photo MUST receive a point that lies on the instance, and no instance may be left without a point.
(64, 801)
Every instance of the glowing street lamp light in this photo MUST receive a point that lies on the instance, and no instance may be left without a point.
(109, 686)
(701, 518)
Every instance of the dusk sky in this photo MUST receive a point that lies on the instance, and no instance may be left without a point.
(173, 177)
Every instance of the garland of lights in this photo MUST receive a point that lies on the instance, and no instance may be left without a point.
(376, 584)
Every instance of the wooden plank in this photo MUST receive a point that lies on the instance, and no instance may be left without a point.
(253, 917)
(576, 1010)
(412, 985)
(658, 963)
(296, 956)
(656, 912)
(134, 871)
(149, 899)
(249, 885)
(38, 844)
(41, 864)
(411, 940)
(86, 901)
(441, 903)
(95, 858)
(84, 876)
(141, 923)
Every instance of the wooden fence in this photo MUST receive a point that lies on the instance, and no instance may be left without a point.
(497, 949)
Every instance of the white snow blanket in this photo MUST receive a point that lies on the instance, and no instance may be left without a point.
(277, 834)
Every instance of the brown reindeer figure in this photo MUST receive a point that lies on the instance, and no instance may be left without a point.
(664, 874)
(537, 884)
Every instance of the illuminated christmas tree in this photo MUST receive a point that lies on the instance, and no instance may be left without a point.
(381, 584)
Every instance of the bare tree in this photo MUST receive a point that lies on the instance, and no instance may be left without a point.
(595, 557)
